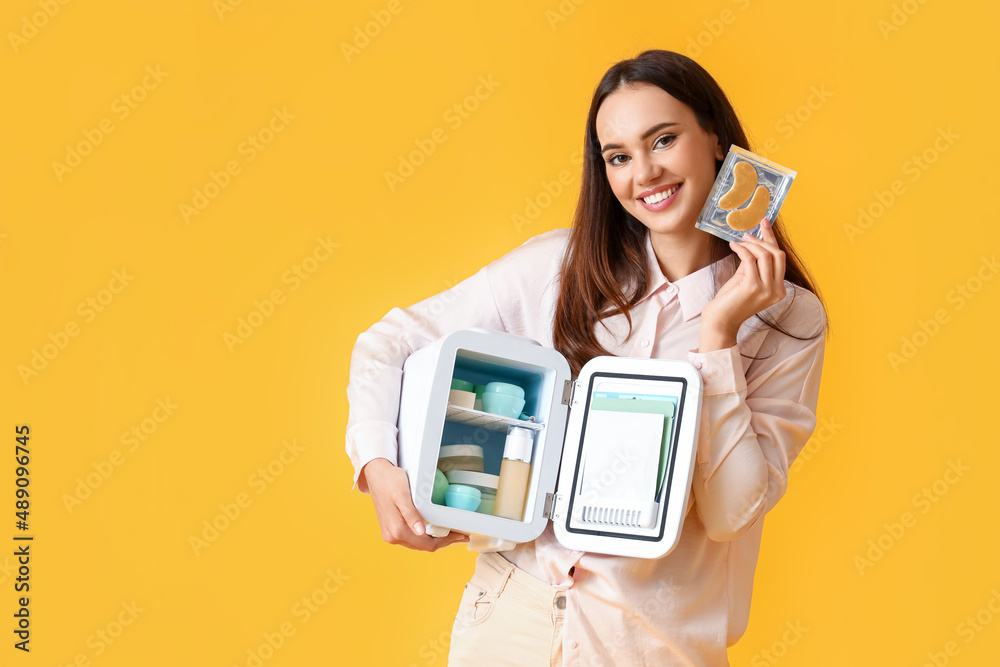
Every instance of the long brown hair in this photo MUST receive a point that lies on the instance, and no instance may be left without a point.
(606, 253)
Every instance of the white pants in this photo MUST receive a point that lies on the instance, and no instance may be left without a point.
(507, 617)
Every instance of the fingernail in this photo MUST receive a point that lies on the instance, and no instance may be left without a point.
(418, 528)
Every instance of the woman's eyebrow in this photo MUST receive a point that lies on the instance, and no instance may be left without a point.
(645, 135)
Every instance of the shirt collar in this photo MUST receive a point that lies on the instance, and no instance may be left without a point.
(693, 290)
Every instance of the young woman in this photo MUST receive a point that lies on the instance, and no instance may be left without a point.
(635, 278)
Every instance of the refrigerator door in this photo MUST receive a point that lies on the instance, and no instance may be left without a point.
(628, 457)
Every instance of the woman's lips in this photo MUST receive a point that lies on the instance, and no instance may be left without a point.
(660, 205)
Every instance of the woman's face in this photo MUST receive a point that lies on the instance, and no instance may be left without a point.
(658, 159)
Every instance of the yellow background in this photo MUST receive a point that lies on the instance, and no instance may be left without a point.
(895, 75)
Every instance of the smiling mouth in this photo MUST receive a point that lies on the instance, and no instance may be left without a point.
(660, 196)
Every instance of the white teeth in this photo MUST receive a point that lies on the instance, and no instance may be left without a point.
(660, 196)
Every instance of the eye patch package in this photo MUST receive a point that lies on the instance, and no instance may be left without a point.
(747, 189)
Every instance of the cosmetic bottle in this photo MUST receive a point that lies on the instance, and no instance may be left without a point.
(515, 470)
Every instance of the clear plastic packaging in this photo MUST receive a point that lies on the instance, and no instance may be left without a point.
(747, 189)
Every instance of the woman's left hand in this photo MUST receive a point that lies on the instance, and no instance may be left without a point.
(757, 284)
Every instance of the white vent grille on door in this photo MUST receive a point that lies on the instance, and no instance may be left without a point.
(611, 516)
(616, 513)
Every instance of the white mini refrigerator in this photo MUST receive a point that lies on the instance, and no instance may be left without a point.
(612, 453)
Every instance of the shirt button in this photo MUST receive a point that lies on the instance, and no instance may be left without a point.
(671, 290)
(572, 643)
(645, 343)
(561, 602)
(697, 365)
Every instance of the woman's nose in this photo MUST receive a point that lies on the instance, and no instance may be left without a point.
(646, 169)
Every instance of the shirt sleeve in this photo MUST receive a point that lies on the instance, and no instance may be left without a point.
(512, 294)
(376, 369)
(756, 418)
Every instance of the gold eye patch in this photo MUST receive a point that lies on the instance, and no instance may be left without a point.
(748, 217)
(745, 179)
(747, 188)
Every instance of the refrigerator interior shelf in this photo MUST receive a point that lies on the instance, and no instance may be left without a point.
(486, 420)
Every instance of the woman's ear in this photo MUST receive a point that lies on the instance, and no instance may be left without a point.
(718, 151)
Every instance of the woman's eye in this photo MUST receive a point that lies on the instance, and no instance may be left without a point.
(668, 137)
(663, 140)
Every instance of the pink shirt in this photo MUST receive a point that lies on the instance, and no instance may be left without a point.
(687, 607)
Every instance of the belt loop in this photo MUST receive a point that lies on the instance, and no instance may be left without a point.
(507, 575)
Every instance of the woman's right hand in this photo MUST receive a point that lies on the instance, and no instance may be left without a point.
(400, 521)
